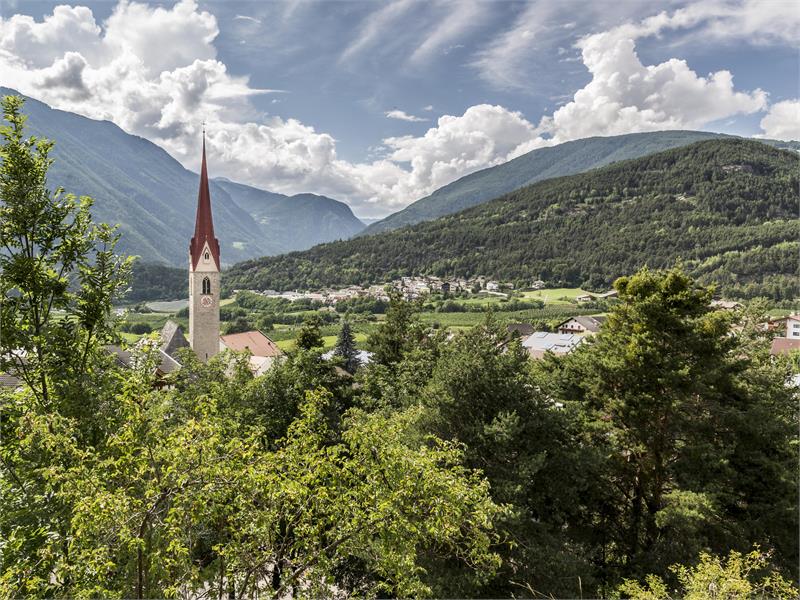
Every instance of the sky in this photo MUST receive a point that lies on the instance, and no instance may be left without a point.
(379, 103)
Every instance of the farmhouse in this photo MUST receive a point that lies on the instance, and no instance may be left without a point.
(581, 325)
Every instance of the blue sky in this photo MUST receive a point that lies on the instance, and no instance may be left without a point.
(379, 103)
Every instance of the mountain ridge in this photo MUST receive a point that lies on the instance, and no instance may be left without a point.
(138, 185)
(568, 158)
(727, 207)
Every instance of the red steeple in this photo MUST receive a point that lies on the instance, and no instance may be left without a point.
(203, 225)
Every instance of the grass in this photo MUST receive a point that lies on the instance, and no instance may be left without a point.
(555, 295)
(329, 340)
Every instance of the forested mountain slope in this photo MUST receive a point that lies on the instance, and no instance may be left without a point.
(726, 207)
(138, 185)
(568, 158)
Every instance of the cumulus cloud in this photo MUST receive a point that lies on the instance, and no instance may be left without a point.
(403, 116)
(782, 122)
(626, 96)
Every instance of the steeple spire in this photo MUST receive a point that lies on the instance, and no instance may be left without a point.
(204, 224)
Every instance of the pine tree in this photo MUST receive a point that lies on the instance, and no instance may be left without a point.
(346, 348)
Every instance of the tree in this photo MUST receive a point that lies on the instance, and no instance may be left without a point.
(482, 394)
(238, 325)
(309, 336)
(737, 578)
(346, 347)
(59, 275)
(688, 424)
(397, 334)
(59, 271)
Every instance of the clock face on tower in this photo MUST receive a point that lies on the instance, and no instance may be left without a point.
(206, 301)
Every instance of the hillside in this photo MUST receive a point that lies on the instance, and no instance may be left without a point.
(726, 207)
(544, 163)
(140, 186)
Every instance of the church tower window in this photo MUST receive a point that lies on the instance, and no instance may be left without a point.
(206, 285)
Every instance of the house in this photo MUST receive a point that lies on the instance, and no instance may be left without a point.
(523, 330)
(492, 286)
(541, 342)
(581, 325)
(584, 298)
(609, 294)
(538, 285)
(264, 352)
(784, 345)
(793, 326)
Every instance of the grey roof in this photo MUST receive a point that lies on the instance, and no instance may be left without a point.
(126, 358)
(589, 323)
(172, 338)
(523, 329)
(558, 343)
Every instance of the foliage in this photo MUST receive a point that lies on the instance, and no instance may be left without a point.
(737, 578)
(153, 281)
(59, 270)
(309, 336)
(346, 348)
(397, 334)
(672, 402)
(727, 207)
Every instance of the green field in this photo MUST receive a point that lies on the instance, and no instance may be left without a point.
(555, 295)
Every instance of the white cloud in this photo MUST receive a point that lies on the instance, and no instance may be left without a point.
(429, 107)
(403, 116)
(376, 27)
(782, 122)
(246, 18)
(154, 72)
(456, 19)
(626, 96)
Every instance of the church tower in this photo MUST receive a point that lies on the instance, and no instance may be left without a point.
(204, 275)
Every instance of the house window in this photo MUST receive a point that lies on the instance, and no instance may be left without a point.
(206, 285)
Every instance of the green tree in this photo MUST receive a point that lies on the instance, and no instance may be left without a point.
(238, 325)
(481, 393)
(736, 578)
(346, 347)
(687, 424)
(397, 334)
(59, 271)
(310, 336)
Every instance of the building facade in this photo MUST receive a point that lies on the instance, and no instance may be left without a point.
(204, 275)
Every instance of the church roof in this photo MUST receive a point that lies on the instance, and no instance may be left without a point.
(204, 224)
(172, 338)
(254, 341)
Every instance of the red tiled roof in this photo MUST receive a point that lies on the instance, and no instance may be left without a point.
(255, 341)
(204, 224)
(782, 345)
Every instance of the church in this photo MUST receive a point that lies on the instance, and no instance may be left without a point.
(205, 270)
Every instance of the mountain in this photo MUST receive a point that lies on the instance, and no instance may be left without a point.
(568, 158)
(294, 222)
(153, 198)
(726, 207)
